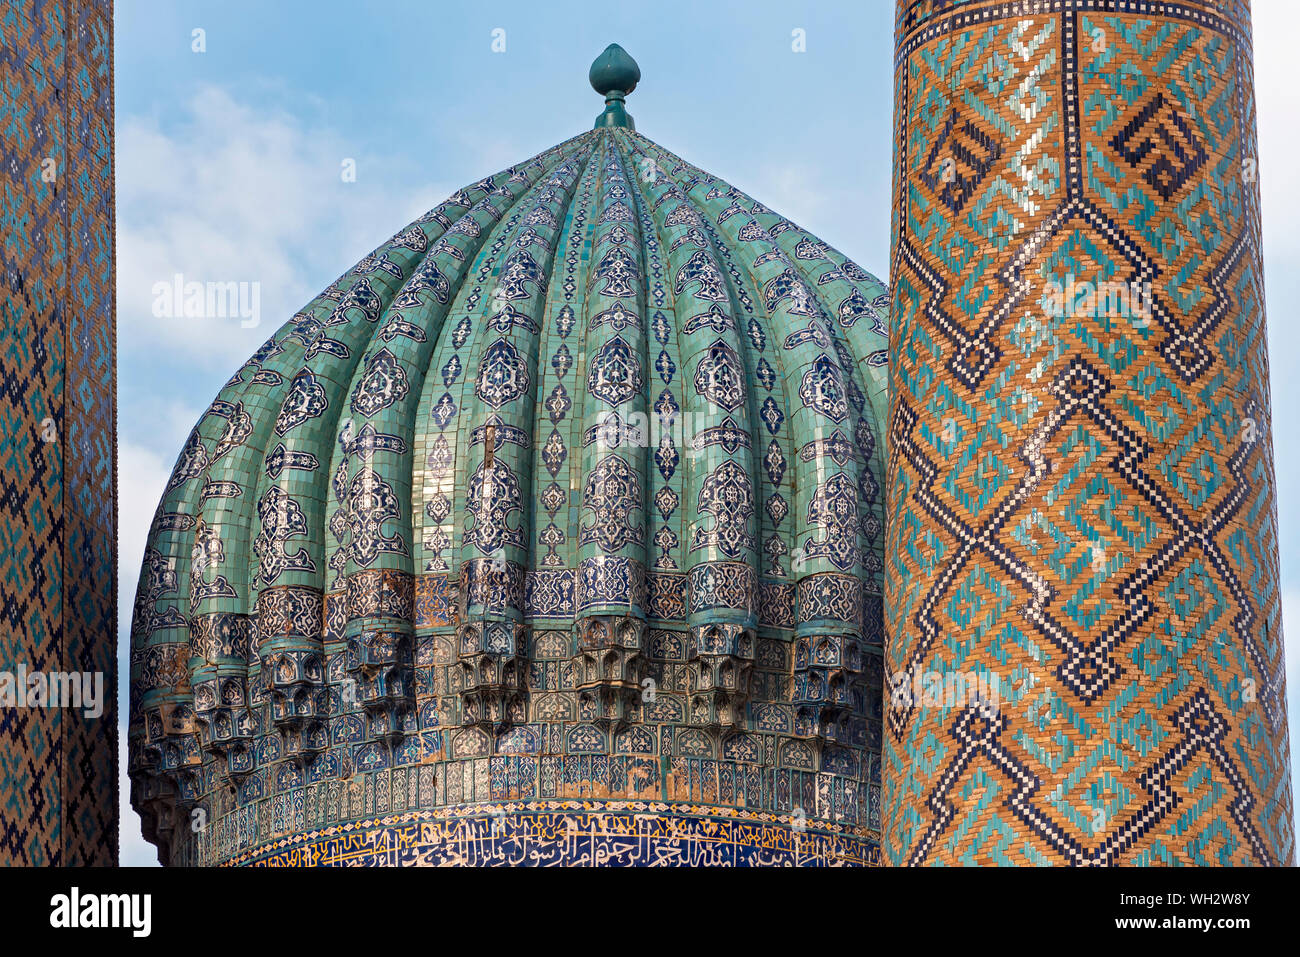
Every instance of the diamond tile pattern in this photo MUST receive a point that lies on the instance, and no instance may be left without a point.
(58, 768)
(1080, 482)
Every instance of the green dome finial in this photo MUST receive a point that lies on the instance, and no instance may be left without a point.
(614, 74)
(614, 71)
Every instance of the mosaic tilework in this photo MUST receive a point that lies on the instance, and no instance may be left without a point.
(58, 770)
(1080, 491)
(588, 833)
(569, 491)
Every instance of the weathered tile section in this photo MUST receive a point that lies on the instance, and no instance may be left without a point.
(1081, 474)
(58, 769)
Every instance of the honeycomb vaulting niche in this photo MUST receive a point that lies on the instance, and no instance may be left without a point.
(1081, 492)
(558, 514)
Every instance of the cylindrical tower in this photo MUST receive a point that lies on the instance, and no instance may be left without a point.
(1083, 619)
(58, 422)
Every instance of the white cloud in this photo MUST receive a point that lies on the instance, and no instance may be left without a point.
(232, 193)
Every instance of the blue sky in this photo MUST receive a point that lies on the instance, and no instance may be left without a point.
(228, 167)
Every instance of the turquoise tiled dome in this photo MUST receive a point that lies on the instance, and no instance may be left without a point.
(596, 424)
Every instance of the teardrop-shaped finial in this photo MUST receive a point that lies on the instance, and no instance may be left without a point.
(614, 74)
(614, 71)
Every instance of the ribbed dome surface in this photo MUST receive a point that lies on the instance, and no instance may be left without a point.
(593, 445)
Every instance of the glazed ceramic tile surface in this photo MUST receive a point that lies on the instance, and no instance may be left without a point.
(58, 767)
(555, 523)
(1080, 480)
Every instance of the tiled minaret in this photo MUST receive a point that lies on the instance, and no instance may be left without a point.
(1080, 476)
(58, 767)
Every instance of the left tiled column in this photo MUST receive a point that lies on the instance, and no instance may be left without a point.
(58, 765)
